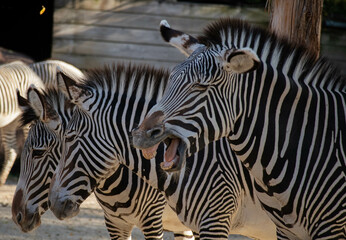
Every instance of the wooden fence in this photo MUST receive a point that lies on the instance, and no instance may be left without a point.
(90, 33)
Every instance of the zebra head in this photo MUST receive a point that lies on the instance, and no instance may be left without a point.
(38, 159)
(192, 112)
(76, 177)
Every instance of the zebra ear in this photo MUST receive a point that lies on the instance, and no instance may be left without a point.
(184, 42)
(76, 93)
(43, 110)
(240, 60)
(22, 102)
(38, 103)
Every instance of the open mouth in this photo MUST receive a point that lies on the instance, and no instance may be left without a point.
(173, 157)
(174, 154)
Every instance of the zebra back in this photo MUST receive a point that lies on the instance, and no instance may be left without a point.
(14, 76)
(48, 71)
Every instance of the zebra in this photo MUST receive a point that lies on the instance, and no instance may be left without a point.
(17, 75)
(282, 110)
(110, 102)
(125, 199)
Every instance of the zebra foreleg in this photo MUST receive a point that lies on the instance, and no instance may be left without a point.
(117, 228)
(185, 235)
(9, 140)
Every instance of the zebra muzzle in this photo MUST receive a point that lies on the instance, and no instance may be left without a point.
(171, 158)
(150, 153)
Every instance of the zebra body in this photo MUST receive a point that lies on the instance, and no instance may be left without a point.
(126, 200)
(19, 76)
(284, 115)
(13, 76)
(97, 138)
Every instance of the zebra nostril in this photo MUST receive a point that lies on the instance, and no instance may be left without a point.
(19, 217)
(134, 131)
(155, 132)
(68, 205)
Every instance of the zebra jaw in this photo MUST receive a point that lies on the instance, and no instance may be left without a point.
(172, 160)
(150, 153)
(171, 157)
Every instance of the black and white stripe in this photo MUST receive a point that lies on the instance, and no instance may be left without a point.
(126, 200)
(17, 76)
(110, 102)
(284, 117)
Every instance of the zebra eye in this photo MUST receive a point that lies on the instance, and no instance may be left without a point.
(70, 135)
(200, 86)
(38, 152)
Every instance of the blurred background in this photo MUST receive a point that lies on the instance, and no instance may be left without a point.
(90, 33)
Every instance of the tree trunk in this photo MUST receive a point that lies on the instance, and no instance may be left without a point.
(297, 20)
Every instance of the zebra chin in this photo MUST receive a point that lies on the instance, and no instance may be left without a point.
(27, 222)
(26, 219)
(149, 140)
(175, 154)
(63, 208)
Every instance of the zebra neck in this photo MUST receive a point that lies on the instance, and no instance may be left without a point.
(128, 109)
(251, 115)
(148, 170)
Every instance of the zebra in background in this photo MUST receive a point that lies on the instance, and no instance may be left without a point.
(282, 111)
(18, 75)
(212, 203)
(125, 198)
(13, 76)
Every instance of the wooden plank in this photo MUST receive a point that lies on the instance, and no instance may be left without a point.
(178, 9)
(124, 20)
(128, 20)
(108, 34)
(119, 50)
(90, 61)
(125, 30)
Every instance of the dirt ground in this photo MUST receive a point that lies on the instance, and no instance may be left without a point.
(87, 225)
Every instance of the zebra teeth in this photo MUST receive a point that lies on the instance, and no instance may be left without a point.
(150, 153)
(166, 165)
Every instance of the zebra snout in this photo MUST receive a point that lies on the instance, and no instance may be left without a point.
(155, 132)
(144, 138)
(64, 209)
(69, 205)
(19, 217)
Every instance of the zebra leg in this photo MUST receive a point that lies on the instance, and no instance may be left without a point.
(118, 228)
(9, 140)
(185, 235)
(215, 229)
(153, 229)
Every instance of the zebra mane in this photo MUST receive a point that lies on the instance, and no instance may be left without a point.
(236, 33)
(54, 100)
(28, 116)
(130, 76)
